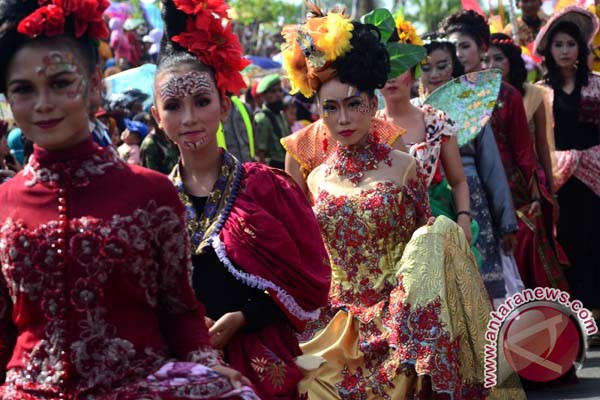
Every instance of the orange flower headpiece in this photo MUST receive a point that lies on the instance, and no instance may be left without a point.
(50, 18)
(209, 36)
(312, 47)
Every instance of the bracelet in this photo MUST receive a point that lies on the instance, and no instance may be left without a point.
(466, 212)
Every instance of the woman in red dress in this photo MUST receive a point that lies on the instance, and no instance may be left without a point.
(260, 265)
(95, 297)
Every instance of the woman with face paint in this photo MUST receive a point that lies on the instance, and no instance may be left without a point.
(575, 146)
(95, 298)
(470, 33)
(387, 289)
(430, 137)
(538, 254)
(440, 66)
(259, 264)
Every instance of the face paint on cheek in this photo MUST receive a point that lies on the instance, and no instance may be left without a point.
(192, 143)
(405, 79)
(191, 83)
(363, 107)
(79, 90)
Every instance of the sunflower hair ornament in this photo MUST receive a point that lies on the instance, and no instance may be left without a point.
(404, 46)
(406, 31)
(313, 46)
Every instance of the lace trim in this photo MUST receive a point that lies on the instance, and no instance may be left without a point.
(263, 284)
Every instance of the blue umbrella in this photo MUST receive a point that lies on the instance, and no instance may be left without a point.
(264, 62)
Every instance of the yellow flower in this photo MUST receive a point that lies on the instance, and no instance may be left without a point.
(334, 34)
(295, 66)
(407, 32)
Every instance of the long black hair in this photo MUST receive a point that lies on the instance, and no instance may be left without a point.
(518, 72)
(553, 76)
(14, 11)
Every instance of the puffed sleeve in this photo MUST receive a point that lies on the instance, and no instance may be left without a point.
(493, 178)
(7, 328)
(182, 315)
(272, 233)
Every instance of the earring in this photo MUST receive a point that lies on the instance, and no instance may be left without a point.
(576, 65)
(375, 137)
(325, 143)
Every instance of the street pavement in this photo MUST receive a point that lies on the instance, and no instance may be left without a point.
(587, 388)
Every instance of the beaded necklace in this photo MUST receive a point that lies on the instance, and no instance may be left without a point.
(218, 205)
(353, 161)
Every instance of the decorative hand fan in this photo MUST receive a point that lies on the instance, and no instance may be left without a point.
(469, 101)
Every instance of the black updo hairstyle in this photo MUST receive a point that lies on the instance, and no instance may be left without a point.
(14, 11)
(553, 75)
(518, 73)
(367, 65)
(435, 41)
(470, 23)
(172, 55)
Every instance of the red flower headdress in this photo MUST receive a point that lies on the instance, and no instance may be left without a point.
(209, 36)
(49, 19)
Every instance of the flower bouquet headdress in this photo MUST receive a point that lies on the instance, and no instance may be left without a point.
(209, 36)
(312, 47)
(51, 17)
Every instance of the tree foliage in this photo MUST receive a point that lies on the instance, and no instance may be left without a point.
(260, 11)
(430, 13)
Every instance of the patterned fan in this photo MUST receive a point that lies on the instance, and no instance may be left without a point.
(469, 101)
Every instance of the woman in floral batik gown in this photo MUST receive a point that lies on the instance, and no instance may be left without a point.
(394, 329)
(95, 294)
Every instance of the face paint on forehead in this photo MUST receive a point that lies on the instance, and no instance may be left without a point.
(57, 62)
(191, 83)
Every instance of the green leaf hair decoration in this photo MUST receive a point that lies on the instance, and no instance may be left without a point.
(402, 56)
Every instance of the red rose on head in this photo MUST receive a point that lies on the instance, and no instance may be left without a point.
(49, 20)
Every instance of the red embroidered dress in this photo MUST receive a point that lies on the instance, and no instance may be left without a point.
(95, 292)
(394, 293)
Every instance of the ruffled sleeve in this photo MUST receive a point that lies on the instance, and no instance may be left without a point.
(438, 130)
(273, 235)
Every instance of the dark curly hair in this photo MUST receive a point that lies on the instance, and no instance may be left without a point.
(367, 65)
(13, 11)
(517, 74)
(172, 55)
(553, 76)
(434, 41)
(470, 23)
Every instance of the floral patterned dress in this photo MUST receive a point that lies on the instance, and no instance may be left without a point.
(393, 330)
(95, 294)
